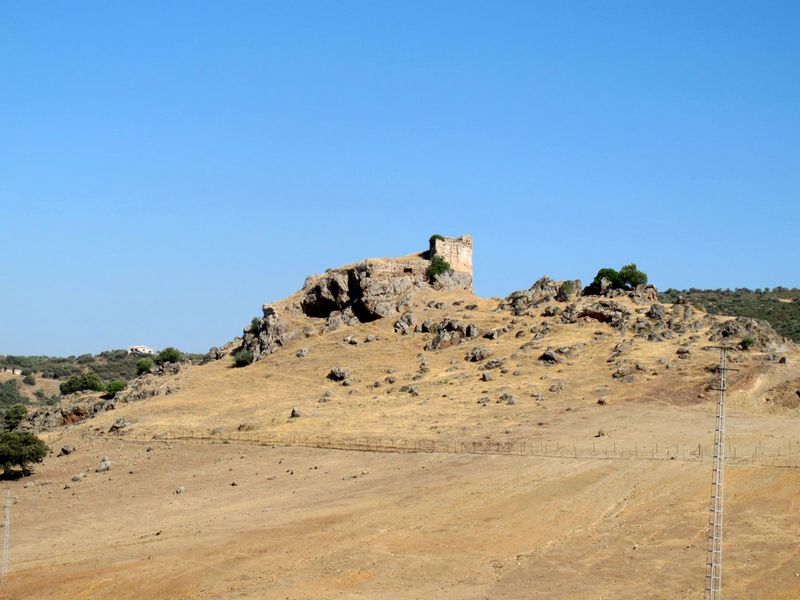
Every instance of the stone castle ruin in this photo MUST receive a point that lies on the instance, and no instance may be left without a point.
(456, 251)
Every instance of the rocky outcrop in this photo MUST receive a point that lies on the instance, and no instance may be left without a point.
(270, 335)
(542, 291)
(763, 337)
(365, 292)
(604, 311)
(451, 332)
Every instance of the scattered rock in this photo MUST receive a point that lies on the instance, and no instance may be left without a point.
(302, 353)
(338, 374)
(105, 465)
(119, 425)
(450, 333)
(294, 414)
(66, 450)
(180, 489)
(486, 376)
(478, 353)
(404, 324)
(549, 356)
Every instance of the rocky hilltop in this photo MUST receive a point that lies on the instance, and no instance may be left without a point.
(359, 293)
(381, 331)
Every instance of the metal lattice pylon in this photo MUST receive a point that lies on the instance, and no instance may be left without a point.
(714, 560)
(6, 534)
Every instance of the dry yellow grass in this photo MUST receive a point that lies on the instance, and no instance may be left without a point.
(309, 523)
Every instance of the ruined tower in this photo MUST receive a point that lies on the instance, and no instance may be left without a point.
(455, 250)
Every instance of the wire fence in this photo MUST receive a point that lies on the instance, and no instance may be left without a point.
(787, 455)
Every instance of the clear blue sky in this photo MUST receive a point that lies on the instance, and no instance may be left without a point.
(167, 167)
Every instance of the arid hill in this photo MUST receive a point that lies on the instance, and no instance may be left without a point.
(603, 405)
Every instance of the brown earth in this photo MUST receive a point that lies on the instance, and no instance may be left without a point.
(313, 523)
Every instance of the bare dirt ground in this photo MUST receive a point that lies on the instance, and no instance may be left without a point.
(306, 523)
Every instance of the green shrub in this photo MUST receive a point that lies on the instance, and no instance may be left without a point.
(83, 382)
(143, 365)
(40, 395)
(747, 342)
(255, 325)
(14, 416)
(113, 387)
(169, 355)
(29, 379)
(565, 291)
(437, 267)
(10, 394)
(242, 358)
(434, 237)
(627, 278)
(21, 448)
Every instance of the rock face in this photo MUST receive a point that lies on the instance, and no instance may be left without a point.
(544, 290)
(270, 335)
(372, 289)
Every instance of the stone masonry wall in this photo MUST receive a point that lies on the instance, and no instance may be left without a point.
(456, 251)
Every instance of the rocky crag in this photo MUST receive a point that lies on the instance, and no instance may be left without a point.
(359, 293)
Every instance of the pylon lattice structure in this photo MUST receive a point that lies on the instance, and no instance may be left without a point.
(6, 534)
(714, 560)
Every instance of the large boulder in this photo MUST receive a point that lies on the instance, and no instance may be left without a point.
(374, 289)
(605, 311)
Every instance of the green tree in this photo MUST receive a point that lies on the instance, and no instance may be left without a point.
(255, 325)
(83, 382)
(21, 448)
(607, 273)
(29, 379)
(14, 416)
(631, 276)
(169, 355)
(437, 267)
(143, 365)
(242, 358)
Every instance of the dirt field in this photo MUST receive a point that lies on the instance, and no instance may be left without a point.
(304, 523)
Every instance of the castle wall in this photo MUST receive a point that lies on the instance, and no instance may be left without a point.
(456, 251)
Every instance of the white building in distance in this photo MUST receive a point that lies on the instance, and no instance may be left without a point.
(140, 350)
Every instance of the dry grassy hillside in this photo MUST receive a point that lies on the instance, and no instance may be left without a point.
(176, 519)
